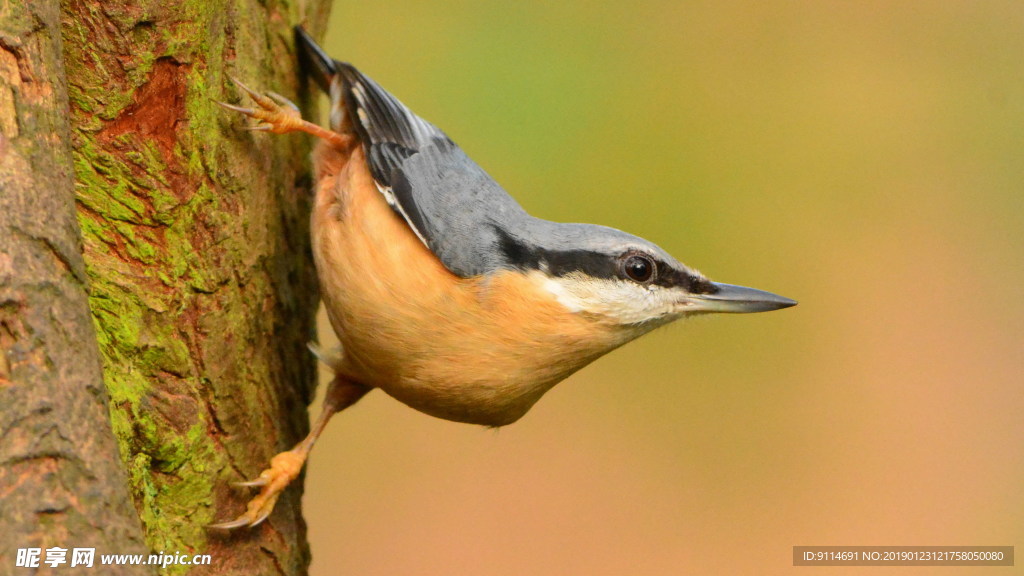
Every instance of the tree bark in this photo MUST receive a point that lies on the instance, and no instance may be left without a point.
(61, 483)
(201, 285)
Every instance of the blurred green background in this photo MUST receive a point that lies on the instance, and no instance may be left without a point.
(864, 158)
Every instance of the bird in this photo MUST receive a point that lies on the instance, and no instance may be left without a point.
(442, 290)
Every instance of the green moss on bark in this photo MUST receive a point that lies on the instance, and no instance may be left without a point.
(196, 245)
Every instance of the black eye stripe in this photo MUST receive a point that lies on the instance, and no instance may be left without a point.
(693, 283)
(517, 253)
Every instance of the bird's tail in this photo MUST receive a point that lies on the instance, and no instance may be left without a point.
(319, 65)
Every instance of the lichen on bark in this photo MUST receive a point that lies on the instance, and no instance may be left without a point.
(196, 248)
(61, 483)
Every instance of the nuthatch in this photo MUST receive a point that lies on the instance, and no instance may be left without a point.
(443, 291)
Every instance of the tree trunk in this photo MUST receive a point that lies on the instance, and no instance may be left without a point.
(61, 483)
(200, 283)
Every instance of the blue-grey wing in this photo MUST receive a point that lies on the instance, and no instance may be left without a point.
(451, 204)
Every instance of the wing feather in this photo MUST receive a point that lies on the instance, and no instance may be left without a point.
(451, 204)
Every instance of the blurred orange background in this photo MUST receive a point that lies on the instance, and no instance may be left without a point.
(864, 158)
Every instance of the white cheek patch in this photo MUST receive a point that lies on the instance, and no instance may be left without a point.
(621, 301)
(564, 296)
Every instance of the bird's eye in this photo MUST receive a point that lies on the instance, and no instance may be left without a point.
(638, 267)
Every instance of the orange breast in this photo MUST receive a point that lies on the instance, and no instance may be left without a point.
(478, 350)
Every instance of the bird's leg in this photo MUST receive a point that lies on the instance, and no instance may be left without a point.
(275, 113)
(286, 466)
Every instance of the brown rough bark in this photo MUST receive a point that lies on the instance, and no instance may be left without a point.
(61, 481)
(201, 288)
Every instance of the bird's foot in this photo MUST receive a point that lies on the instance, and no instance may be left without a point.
(284, 468)
(279, 115)
(273, 112)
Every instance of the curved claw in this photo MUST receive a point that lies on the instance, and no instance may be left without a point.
(270, 102)
(283, 101)
(284, 468)
(257, 511)
(246, 111)
(279, 115)
(272, 113)
(254, 483)
(255, 95)
(239, 522)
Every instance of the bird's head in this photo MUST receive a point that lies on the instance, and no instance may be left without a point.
(627, 281)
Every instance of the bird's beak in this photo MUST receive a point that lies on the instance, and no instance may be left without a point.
(736, 299)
